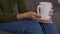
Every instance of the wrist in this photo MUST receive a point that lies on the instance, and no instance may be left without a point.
(20, 16)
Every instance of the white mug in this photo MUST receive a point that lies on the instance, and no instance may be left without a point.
(43, 9)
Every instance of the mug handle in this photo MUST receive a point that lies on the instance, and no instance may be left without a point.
(38, 8)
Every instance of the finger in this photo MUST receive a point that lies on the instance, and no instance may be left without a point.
(35, 18)
(51, 6)
(44, 19)
(50, 14)
(52, 10)
(37, 15)
(44, 22)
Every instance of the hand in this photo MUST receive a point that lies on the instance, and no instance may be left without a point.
(32, 15)
(35, 16)
(50, 14)
(51, 11)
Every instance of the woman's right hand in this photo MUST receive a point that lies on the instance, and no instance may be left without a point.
(30, 15)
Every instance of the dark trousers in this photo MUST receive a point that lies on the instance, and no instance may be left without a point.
(26, 26)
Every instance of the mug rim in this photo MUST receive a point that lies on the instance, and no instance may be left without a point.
(45, 2)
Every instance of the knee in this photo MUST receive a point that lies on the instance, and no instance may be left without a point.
(30, 26)
(33, 27)
(27, 26)
(29, 23)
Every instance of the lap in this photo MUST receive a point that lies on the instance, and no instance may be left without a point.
(28, 25)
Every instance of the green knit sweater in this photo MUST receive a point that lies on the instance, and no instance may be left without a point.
(6, 9)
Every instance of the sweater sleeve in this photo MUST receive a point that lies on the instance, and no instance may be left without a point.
(22, 7)
(6, 11)
(7, 17)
